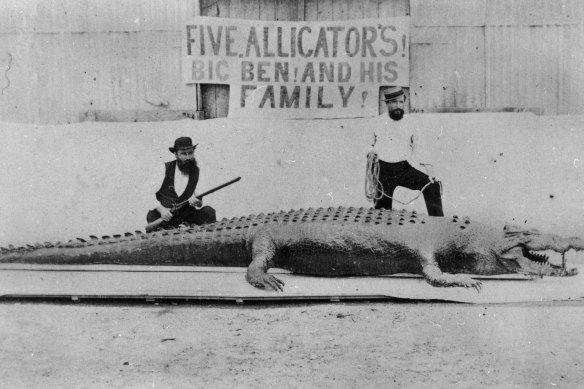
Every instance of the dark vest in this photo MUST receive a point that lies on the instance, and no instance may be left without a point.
(167, 195)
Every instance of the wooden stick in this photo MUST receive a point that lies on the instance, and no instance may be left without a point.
(152, 226)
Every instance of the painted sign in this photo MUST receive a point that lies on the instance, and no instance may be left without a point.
(321, 69)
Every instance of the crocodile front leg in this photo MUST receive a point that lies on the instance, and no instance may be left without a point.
(435, 277)
(263, 251)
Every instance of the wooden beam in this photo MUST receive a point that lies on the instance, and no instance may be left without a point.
(301, 11)
(200, 113)
(180, 283)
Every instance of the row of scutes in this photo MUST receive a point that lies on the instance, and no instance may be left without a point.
(237, 225)
(79, 242)
(463, 223)
(328, 215)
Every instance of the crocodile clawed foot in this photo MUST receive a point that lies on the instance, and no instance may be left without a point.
(477, 285)
(265, 280)
(468, 282)
(272, 282)
(464, 281)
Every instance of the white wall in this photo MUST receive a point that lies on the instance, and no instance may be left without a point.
(67, 60)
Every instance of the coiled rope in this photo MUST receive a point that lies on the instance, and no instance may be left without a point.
(373, 187)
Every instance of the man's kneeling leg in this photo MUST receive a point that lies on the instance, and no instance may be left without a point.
(198, 216)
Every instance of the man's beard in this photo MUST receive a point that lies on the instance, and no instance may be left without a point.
(396, 114)
(186, 167)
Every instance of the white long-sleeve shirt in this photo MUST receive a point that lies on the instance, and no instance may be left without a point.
(396, 141)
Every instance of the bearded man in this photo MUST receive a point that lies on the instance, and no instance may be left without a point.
(180, 181)
(397, 148)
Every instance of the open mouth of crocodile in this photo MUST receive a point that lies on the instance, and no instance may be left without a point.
(539, 263)
(540, 258)
(521, 259)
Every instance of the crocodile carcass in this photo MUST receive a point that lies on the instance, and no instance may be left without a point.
(325, 242)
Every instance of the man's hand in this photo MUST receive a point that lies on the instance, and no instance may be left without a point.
(165, 213)
(194, 201)
(434, 179)
(430, 172)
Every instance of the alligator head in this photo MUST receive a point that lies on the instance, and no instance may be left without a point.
(519, 253)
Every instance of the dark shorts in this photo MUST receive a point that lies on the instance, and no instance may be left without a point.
(187, 215)
(394, 174)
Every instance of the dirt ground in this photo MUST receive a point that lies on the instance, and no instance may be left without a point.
(342, 345)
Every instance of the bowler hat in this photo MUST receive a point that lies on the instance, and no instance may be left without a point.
(182, 143)
(393, 93)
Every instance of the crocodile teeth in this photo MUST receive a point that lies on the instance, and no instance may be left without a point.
(542, 257)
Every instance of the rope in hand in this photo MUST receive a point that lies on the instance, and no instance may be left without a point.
(373, 187)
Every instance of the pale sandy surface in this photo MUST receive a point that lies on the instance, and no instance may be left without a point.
(344, 345)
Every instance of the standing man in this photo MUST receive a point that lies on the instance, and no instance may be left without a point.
(180, 180)
(389, 165)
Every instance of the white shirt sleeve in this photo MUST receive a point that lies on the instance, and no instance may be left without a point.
(418, 150)
(423, 153)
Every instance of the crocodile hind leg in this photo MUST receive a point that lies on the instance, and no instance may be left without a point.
(263, 251)
(435, 277)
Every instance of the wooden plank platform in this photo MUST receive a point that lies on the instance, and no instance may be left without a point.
(152, 283)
